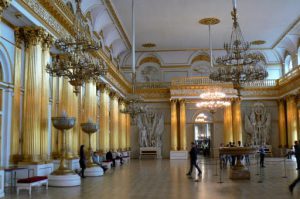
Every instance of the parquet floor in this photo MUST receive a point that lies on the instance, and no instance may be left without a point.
(163, 179)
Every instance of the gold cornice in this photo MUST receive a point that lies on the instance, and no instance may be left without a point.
(114, 15)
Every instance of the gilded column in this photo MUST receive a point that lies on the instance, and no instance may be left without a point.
(104, 120)
(228, 134)
(45, 97)
(292, 122)
(32, 95)
(174, 138)
(282, 123)
(237, 121)
(122, 126)
(114, 121)
(16, 113)
(55, 112)
(128, 132)
(90, 106)
(182, 125)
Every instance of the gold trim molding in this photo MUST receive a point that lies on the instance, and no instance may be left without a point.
(149, 59)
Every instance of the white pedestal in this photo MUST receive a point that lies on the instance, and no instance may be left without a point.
(40, 169)
(178, 155)
(70, 180)
(1, 183)
(93, 171)
(72, 164)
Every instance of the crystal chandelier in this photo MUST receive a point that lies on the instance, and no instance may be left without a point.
(213, 100)
(135, 106)
(239, 65)
(75, 63)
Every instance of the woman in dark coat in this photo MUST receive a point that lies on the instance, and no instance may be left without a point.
(82, 161)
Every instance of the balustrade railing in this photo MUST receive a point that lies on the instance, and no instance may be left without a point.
(147, 85)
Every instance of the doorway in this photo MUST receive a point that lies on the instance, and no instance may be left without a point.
(202, 133)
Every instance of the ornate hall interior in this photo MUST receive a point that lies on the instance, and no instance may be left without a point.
(141, 80)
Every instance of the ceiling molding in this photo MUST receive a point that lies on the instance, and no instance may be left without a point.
(112, 12)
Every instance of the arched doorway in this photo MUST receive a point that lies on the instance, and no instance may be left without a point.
(203, 133)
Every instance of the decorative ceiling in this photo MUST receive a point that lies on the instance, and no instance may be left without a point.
(173, 24)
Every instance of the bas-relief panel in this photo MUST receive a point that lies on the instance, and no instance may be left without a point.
(163, 108)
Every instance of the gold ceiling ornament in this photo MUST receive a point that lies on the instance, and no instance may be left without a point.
(258, 42)
(77, 65)
(149, 45)
(149, 59)
(201, 58)
(209, 21)
(239, 65)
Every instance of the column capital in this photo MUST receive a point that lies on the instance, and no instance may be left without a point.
(32, 36)
(173, 100)
(102, 87)
(114, 95)
(181, 101)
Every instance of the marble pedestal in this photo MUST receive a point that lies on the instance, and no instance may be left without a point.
(178, 155)
(69, 180)
(239, 174)
(72, 164)
(94, 171)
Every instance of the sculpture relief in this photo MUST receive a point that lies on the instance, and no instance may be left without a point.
(257, 125)
(151, 128)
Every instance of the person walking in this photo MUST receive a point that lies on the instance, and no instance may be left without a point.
(296, 181)
(297, 154)
(193, 161)
(82, 161)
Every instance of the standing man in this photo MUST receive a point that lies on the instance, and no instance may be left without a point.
(297, 154)
(262, 154)
(193, 156)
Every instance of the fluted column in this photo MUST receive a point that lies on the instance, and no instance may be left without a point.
(128, 132)
(228, 134)
(104, 117)
(182, 125)
(292, 123)
(174, 133)
(32, 95)
(237, 121)
(122, 126)
(282, 123)
(114, 121)
(55, 112)
(16, 112)
(90, 106)
(48, 39)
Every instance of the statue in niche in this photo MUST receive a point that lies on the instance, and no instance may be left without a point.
(151, 127)
(257, 125)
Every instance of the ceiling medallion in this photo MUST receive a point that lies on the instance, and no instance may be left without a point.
(240, 64)
(258, 42)
(209, 21)
(149, 45)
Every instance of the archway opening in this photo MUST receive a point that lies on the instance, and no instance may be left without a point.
(202, 133)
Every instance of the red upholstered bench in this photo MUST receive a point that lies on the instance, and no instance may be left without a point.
(27, 183)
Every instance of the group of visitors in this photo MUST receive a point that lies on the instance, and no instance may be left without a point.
(109, 156)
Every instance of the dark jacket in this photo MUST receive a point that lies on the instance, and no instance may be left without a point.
(193, 153)
(82, 160)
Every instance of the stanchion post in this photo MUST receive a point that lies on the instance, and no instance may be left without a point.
(216, 174)
(260, 175)
(257, 166)
(284, 165)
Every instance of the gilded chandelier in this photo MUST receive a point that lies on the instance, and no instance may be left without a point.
(75, 63)
(239, 65)
(213, 100)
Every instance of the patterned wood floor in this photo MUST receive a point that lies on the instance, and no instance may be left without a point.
(162, 179)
